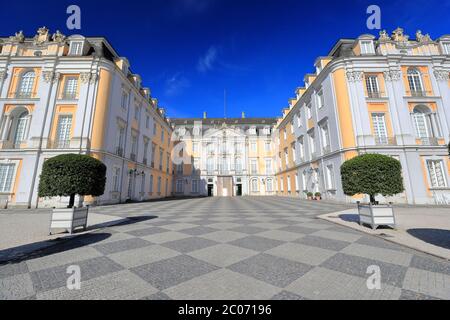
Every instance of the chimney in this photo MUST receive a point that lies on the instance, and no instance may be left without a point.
(243, 115)
(205, 115)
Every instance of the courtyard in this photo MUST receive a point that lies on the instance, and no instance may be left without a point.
(252, 248)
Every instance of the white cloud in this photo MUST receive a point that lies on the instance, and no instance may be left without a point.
(206, 62)
(176, 84)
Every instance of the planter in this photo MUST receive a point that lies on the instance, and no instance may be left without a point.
(376, 215)
(69, 219)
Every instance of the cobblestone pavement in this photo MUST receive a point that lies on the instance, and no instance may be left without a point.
(216, 248)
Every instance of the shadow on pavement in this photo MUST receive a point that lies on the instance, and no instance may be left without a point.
(437, 237)
(50, 247)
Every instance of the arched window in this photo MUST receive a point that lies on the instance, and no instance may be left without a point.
(415, 82)
(422, 121)
(254, 185)
(269, 185)
(20, 128)
(26, 84)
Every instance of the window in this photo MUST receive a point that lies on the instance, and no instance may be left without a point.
(143, 183)
(294, 153)
(286, 157)
(238, 165)
(151, 184)
(425, 123)
(301, 148)
(145, 151)
(124, 100)
(153, 155)
(312, 145)
(179, 186)
(168, 163)
(254, 185)
(26, 85)
(379, 128)
(299, 120)
(269, 185)
(159, 185)
(180, 168)
(137, 111)
(320, 99)
(267, 146)
(196, 165)
(160, 159)
(437, 173)
(309, 111)
(120, 140)
(325, 136)
(162, 135)
(195, 188)
(292, 126)
(210, 148)
(195, 147)
(415, 82)
(289, 184)
(372, 86)
(253, 166)
(63, 131)
(210, 165)
(223, 166)
(253, 146)
(21, 129)
(268, 166)
(6, 176)
(297, 183)
(154, 127)
(147, 122)
(305, 181)
(133, 147)
(330, 177)
(366, 47)
(76, 48)
(281, 184)
(70, 88)
(446, 47)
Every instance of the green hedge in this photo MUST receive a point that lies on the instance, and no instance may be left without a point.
(372, 174)
(72, 174)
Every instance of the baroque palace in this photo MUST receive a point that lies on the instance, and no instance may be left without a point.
(75, 94)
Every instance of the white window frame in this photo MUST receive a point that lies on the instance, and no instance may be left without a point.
(76, 48)
(433, 165)
(366, 47)
(10, 176)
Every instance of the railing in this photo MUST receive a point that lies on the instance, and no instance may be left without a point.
(375, 95)
(386, 141)
(59, 144)
(24, 95)
(429, 141)
(69, 96)
(419, 93)
(119, 151)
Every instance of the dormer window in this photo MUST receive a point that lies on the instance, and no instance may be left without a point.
(76, 48)
(367, 47)
(446, 48)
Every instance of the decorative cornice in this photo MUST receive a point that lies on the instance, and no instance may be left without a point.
(392, 75)
(354, 76)
(442, 75)
(94, 77)
(50, 76)
(85, 77)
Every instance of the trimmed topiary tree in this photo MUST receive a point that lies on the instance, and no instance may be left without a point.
(372, 174)
(69, 175)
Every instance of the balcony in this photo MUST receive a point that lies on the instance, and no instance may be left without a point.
(429, 141)
(419, 93)
(59, 144)
(24, 95)
(376, 95)
(385, 141)
(68, 96)
(119, 151)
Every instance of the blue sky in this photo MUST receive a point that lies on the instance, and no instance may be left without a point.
(189, 51)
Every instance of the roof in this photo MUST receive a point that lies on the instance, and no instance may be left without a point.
(228, 121)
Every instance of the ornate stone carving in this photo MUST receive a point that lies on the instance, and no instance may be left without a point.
(47, 76)
(384, 36)
(441, 75)
(58, 37)
(392, 75)
(56, 77)
(18, 37)
(399, 36)
(353, 76)
(94, 77)
(85, 77)
(3, 75)
(423, 38)
(42, 36)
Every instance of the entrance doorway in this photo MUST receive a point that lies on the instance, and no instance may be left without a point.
(210, 190)
(239, 190)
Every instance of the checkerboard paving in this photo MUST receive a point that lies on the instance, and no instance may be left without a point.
(217, 248)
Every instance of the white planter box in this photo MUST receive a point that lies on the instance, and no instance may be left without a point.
(375, 216)
(69, 219)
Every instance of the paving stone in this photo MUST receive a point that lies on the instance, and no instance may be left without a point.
(430, 264)
(302, 253)
(170, 272)
(341, 236)
(257, 243)
(428, 283)
(146, 231)
(13, 269)
(189, 244)
(166, 237)
(381, 254)
(323, 243)
(198, 231)
(16, 287)
(286, 295)
(141, 256)
(222, 255)
(122, 245)
(224, 236)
